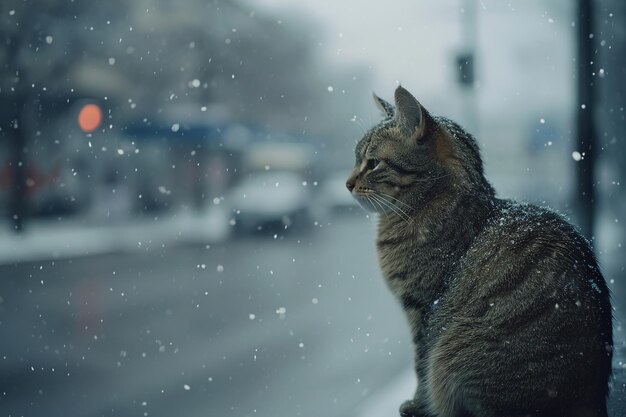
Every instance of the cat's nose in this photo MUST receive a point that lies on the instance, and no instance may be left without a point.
(350, 183)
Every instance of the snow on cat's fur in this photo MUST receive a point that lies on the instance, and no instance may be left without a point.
(509, 312)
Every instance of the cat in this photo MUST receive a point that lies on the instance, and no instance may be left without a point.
(508, 310)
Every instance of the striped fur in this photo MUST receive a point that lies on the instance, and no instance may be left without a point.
(509, 311)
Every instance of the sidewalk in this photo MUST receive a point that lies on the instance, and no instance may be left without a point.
(51, 239)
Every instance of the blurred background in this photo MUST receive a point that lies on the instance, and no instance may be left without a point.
(175, 235)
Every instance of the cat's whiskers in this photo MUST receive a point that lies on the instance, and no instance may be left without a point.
(385, 197)
(406, 215)
(379, 201)
(373, 200)
(395, 199)
(393, 207)
(396, 210)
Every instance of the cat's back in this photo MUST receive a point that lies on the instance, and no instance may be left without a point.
(532, 253)
(530, 277)
(528, 291)
(527, 236)
(520, 233)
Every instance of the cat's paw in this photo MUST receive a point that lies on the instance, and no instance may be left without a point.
(411, 408)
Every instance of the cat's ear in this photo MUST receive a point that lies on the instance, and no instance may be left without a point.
(384, 106)
(410, 115)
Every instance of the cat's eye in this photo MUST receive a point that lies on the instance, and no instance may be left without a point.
(372, 164)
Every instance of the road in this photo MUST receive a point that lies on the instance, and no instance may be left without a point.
(297, 325)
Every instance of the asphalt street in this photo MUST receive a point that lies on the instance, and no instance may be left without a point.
(298, 324)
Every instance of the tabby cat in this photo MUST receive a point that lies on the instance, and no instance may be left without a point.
(508, 310)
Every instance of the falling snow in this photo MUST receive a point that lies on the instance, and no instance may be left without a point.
(162, 247)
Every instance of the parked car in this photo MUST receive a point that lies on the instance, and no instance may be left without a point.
(276, 200)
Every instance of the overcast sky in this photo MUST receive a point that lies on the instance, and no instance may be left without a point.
(524, 46)
(525, 68)
(403, 40)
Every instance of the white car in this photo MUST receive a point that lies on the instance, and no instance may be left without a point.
(269, 199)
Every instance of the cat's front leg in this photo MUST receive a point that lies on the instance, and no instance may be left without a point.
(413, 408)
(416, 407)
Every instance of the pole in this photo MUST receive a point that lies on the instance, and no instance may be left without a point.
(18, 187)
(585, 122)
(467, 64)
(15, 132)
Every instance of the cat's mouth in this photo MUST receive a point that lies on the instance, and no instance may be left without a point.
(363, 196)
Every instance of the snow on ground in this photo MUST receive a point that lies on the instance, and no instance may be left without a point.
(49, 239)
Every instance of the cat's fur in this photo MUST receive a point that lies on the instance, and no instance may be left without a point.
(509, 312)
